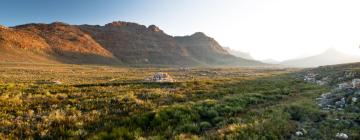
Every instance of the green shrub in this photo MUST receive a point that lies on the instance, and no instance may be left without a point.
(115, 134)
(205, 125)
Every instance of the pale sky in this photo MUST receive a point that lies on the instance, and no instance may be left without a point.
(276, 29)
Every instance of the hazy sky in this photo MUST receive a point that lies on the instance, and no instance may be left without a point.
(277, 29)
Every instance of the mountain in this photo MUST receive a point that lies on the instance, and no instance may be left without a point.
(329, 57)
(116, 43)
(209, 51)
(56, 43)
(137, 44)
(239, 53)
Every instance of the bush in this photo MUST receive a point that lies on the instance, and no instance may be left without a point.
(205, 125)
(116, 134)
(304, 113)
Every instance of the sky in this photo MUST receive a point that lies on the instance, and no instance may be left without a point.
(268, 29)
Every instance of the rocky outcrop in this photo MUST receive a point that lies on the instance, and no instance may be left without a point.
(345, 83)
(154, 28)
(160, 77)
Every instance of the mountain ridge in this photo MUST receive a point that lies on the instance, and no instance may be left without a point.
(329, 57)
(116, 43)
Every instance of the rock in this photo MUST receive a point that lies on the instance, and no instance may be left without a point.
(160, 77)
(349, 74)
(203, 74)
(154, 28)
(321, 83)
(344, 86)
(354, 99)
(184, 69)
(342, 136)
(57, 82)
(299, 133)
(325, 100)
(326, 95)
(341, 103)
(310, 77)
(356, 83)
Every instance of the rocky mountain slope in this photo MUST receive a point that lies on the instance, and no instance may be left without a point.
(56, 42)
(117, 43)
(137, 44)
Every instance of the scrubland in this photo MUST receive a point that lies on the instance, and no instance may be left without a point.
(43, 101)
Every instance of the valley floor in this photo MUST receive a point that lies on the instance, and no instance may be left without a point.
(40, 101)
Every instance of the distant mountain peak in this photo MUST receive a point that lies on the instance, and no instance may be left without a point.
(58, 23)
(199, 34)
(154, 28)
(121, 23)
(330, 56)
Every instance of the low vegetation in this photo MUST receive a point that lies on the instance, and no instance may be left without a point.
(98, 102)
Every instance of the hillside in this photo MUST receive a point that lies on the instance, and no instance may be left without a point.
(329, 57)
(136, 44)
(208, 50)
(116, 43)
(56, 42)
(133, 43)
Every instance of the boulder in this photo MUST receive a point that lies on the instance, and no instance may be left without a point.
(341, 103)
(356, 83)
(342, 136)
(154, 28)
(344, 86)
(354, 99)
(299, 133)
(57, 82)
(320, 82)
(160, 77)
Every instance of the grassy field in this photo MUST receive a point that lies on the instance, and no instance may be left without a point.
(101, 102)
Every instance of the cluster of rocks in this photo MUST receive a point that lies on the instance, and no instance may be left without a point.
(184, 69)
(344, 95)
(311, 77)
(341, 136)
(160, 77)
